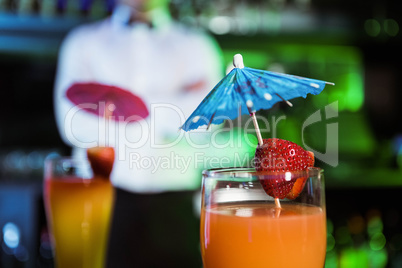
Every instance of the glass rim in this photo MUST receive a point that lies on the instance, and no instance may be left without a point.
(57, 167)
(65, 158)
(76, 162)
(250, 172)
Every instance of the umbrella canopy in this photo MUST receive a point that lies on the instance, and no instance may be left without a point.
(126, 105)
(247, 90)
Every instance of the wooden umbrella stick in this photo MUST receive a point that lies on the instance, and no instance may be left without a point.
(109, 108)
(260, 142)
(277, 203)
(239, 115)
(257, 129)
(107, 114)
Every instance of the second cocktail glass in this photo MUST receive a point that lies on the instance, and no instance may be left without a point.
(78, 209)
(242, 227)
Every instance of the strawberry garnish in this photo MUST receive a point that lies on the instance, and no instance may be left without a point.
(278, 156)
(101, 160)
(276, 185)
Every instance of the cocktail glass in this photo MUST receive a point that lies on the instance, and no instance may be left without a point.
(242, 227)
(78, 209)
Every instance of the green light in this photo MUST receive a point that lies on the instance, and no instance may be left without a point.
(355, 135)
(330, 242)
(379, 259)
(372, 27)
(331, 260)
(354, 93)
(391, 27)
(374, 226)
(352, 258)
(349, 90)
(377, 241)
(289, 129)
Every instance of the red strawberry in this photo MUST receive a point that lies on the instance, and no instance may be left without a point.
(276, 185)
(279, 156)
(101, 160)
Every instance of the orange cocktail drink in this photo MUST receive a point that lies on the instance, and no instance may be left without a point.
(78, 208)
(242, 227)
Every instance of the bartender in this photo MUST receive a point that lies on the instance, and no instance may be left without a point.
(171, 68)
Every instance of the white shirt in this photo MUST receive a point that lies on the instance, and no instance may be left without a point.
(156, 64)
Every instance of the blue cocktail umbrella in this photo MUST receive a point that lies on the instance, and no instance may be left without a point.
(246, 90)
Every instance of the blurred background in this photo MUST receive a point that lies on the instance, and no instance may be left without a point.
(354, 44)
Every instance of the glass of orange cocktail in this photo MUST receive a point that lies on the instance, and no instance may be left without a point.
(78, 209)
(241, 226)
